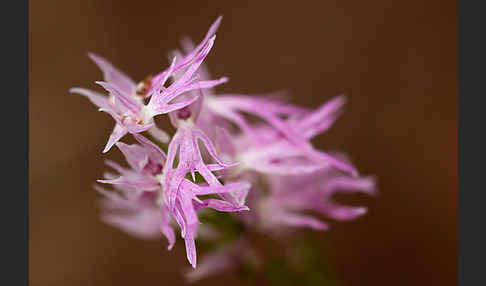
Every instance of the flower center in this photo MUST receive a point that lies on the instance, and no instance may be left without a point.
(184, 113)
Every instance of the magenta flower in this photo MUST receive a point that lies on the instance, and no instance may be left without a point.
(229, 153)
(274, 153)
(140, 195)
(125, 101)
(287, 207)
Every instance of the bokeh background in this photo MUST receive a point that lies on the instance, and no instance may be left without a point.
(395, 60)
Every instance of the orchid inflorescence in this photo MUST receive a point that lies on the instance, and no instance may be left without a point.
(263, 169)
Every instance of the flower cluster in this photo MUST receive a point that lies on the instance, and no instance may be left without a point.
(250, 155)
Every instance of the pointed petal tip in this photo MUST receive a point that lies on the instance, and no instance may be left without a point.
(361, 211)
(74, 90)
(92, 56)
(95, 57)
(107, 148)
(102, 83)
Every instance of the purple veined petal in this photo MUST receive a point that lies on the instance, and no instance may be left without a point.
(296, 220)
(203, 84)
(128, 102)
(117, 133)
(215, 167)
(160, 100)
(164, 109)
(188, 46)
(211, 149)
(179, 69)
(166, 228)
(279, 124)
(172, 151)
(190, 216)
(212, 180)
(174, 186)
(98, 99)
(220, 205)
(179, 105)
(159, 80)
(168, 232)
(135, 155)
(210, 34)
(191, 251)
(208, 175)
(155, 152)
(178, 216)
(258, 107)
(322, 119)
(113, 75)
(194, 65)
(192, 223)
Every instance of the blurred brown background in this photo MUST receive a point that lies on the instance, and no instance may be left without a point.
(396, 61)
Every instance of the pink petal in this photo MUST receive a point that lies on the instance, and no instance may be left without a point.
(220, 205)
(113, 75)
(117, 133)
(135, 155)
(98, 99)
(166, 229)
(156, 153)
(126, 101)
